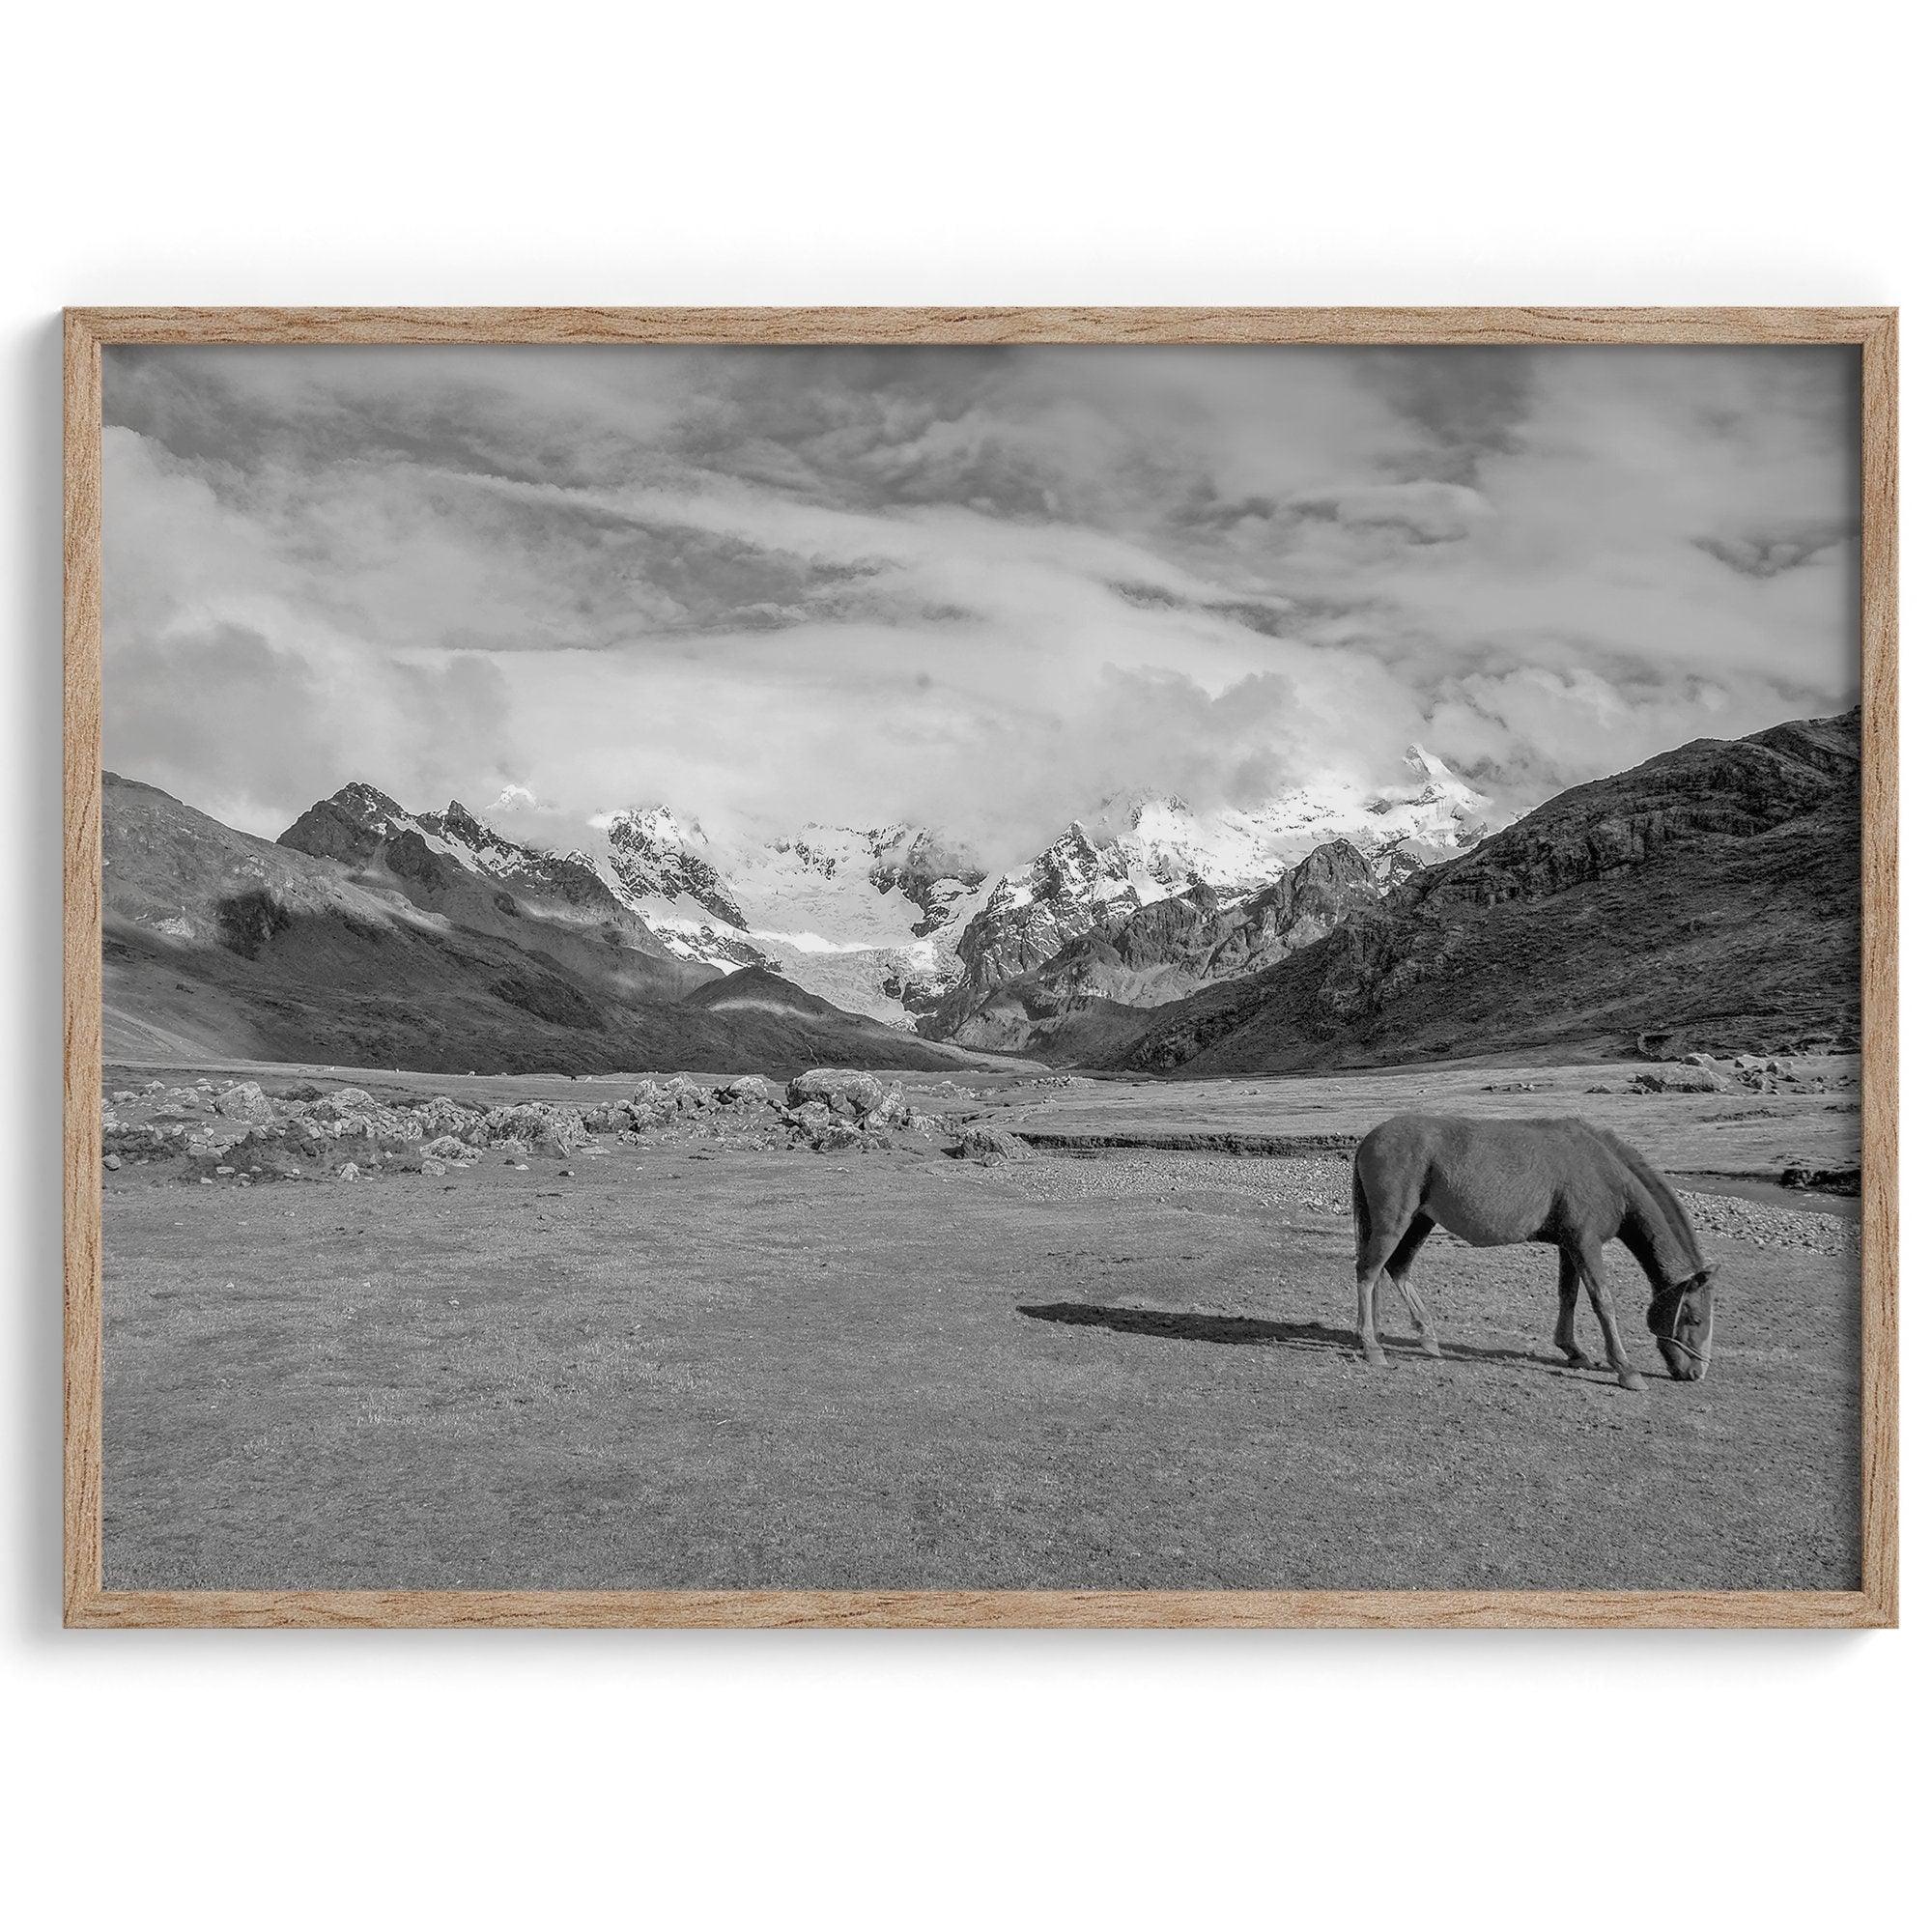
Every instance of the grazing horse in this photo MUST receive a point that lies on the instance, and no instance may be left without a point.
(1494, 1183)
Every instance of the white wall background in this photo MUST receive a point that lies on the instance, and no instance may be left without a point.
(1402, 153)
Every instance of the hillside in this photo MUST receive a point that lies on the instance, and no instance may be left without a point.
(371, 947)
(1707, 898)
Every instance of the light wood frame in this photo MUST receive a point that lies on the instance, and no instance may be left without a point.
(86, 1604)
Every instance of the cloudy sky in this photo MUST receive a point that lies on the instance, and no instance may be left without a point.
(977, 589)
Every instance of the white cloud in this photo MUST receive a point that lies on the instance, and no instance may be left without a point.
(973, 587)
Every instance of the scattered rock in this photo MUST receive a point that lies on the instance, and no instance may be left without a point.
(654, 1100)
(242, 1133)
(529, 1126)
(1825, 1180)
(1679, 1080)
(150, 1140)
(991, 1143)
(848, 1092)
(349, 1170)
(245, 1102)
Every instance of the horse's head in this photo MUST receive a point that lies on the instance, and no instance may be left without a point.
(1682, 1318)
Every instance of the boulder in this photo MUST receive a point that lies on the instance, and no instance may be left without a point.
(890, 1111)
(441, 1115)
(654, 1100)
(846, 1091)
(536, 1126)
(650, 1104)
(1679, 1080)
(153, 1141)
(749, 1090)
(991, 1143)
(246, 1103)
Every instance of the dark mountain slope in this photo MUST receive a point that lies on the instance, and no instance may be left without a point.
(394, 956)
(787, 1024)
(1710, 896)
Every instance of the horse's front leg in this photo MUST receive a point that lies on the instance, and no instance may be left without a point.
(1590, 1265)
(1568, 1282)
(1400, 1272)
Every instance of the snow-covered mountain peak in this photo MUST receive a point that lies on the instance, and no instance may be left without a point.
(884, 917)
(1140, 848)
(654, 824)
(1439, 783)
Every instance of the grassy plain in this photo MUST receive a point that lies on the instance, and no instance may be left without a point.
(675, 1368)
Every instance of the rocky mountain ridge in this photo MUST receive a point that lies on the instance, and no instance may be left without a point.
(1138, 955)
(371, 937)
(899, 923)
(1154, 851)
(1706, 900)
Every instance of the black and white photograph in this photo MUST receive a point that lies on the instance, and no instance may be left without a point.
(1166, 967)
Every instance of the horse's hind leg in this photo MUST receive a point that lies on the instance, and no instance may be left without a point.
(1372, 1249)
(1399, 1264)
(1568, 1282)
(1590, 1265)
(1387, 1196)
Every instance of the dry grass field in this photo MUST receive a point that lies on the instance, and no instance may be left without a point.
(669, 1366)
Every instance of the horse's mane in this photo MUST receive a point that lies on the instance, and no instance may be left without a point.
(1662, 1196)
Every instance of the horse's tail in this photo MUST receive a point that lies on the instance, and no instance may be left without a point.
(1361, 1206)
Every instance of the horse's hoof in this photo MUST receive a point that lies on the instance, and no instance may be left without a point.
(1630, 1379)
(1583, 1364)
(1378, 1360)
(1432, 1349)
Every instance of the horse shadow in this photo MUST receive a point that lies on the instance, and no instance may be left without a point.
(1251, 1331)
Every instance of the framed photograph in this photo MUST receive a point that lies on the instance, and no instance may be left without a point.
(981, 967)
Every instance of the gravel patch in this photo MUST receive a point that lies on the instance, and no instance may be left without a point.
(1822, 1233)
(1320, 1184)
